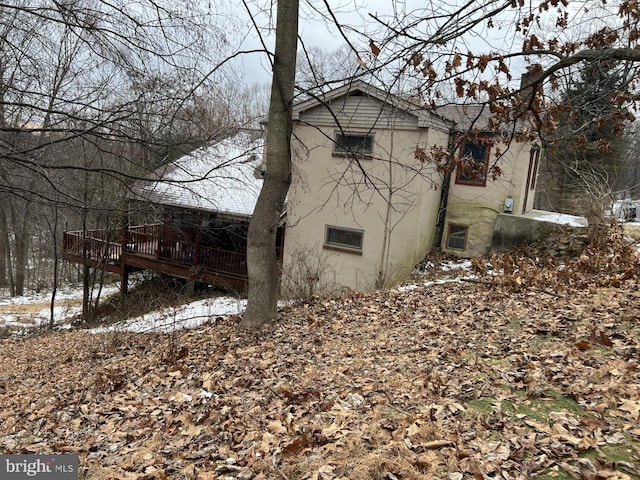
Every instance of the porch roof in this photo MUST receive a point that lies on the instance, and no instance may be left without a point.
(216, 178)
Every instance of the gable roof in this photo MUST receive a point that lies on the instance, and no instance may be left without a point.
(216, 178)
(466, 117)
(426, 118)
(471, 117)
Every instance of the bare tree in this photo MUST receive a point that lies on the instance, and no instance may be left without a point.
(261, 255)
(551, 39)
(632, 165)
(319, 70)
(94, 94)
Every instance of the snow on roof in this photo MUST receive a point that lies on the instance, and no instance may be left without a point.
(217, 178)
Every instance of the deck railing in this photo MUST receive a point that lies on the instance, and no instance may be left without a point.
(93, 244)
(220, 260)
(144, 239)
(150, 241)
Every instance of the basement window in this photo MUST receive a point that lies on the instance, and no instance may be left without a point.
(346, 239)
(457, 237)
(353, 144)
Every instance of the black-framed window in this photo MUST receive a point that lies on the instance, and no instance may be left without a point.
(343, 238)
(457, 237)
(353, 144)
(474, 161)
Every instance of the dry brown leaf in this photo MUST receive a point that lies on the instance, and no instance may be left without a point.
(430, 380)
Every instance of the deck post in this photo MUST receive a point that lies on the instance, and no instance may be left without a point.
(124, 281)
(124, 271)
(198, 230)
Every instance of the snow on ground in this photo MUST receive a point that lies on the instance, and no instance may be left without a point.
(66, 293)
(449, 265)
(189, 315)
(34, 310)
(29, 311)
(23, 313)
(557, 218)
(461, 265)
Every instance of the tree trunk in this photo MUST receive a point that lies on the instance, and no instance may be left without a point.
(20, 217)
(262, 262)
(86, 293)
(53, 228)
(86, 271)
(21, 243)
(6, 240)
(4, 250)
(383, 269)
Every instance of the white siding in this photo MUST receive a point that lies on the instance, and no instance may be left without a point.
(359, 111)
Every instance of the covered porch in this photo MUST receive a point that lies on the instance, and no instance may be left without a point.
(189, 220)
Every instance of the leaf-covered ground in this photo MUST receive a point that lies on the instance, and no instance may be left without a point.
(531, 370)
(454, 380)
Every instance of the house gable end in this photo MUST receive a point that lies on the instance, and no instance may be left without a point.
(363, 103)
(360, 112)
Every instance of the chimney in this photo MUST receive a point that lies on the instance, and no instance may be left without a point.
(527, 91)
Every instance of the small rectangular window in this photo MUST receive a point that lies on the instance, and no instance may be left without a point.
(472, 167)
(343, 238)
(457, 237)
(353, 144)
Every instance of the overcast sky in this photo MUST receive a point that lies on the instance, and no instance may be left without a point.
(354, 15)
(315, 30)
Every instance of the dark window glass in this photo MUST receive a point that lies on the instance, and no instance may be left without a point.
(345, 238)
(457, 237)
(472, 169)
(352, 143)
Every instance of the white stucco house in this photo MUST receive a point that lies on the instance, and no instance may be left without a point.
(363, 198)
(372, 192)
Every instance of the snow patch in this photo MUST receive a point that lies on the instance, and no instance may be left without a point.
(64, 309)
(557, 218)
(67, 308)
(186, 316)
(455, 265)
(415, 286)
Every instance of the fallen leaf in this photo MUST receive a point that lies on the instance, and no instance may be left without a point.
(583, 345)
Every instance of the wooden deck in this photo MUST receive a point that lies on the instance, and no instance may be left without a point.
(148, 247)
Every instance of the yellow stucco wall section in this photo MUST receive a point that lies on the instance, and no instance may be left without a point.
(478, 206)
